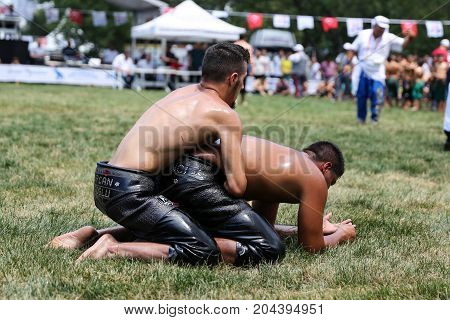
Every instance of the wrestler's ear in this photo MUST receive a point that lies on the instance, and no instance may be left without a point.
(327, 166)
(234, 77)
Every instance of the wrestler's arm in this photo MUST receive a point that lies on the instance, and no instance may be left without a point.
(266, 209)
(407, 39)
(230, 134)
(269, 210)
(310, 220)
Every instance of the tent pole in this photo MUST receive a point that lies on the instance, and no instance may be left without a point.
(133, 46)
(163, 46)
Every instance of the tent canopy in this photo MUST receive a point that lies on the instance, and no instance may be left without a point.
(187, 22)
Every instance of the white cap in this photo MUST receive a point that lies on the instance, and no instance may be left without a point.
(381, 21)
(445, 43)
(348, 46)
(298, 47)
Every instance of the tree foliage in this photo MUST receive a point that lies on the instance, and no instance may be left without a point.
(331, 41)
(334, 39)
(109, 35)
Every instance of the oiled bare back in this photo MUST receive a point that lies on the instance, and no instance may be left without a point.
(172, 126)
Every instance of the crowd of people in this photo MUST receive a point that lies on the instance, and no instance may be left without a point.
(412, 81)
(176, 57)
(406, 80)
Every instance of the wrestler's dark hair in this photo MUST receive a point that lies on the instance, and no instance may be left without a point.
(327, 152)
(223, 59)
(243, 36)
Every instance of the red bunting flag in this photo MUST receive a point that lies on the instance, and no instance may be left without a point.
(76, 17)
(254, 20)
(329, 23)
(411, 26)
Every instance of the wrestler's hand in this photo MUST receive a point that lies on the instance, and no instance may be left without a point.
(328, 227)
(346, 231)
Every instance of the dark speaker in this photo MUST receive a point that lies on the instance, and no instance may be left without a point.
(14, 48)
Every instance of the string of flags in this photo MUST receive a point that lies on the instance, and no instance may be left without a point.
(99, 18)
(435, 29)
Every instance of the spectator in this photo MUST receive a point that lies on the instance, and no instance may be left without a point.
(283, 87)
(261, 64)
(447, 124)
(300, 63)
(275, 65)
(316, 72)
(250, 67)
(329, 69)
(368, 79)
(286, 65)
(196, 57)
(69, 52)
(124, 66)
(15, 60)
(418, 88)
(345, 62)
(426, 63)
(408, 74)
(37, 54)
(146, 62)
(329, 72)
(196, 60)
(442, 49)
(10, 11)
(109, 54)
(440, 69)
(171, 61)
(393, 75)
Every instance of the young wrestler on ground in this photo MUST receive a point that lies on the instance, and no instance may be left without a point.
(275, 174)
(128, 190)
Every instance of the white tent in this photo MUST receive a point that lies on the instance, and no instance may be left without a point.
(187, 22)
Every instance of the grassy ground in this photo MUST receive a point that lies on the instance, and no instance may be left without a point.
(396, 189)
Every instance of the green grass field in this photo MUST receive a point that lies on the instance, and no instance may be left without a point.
(396, 189)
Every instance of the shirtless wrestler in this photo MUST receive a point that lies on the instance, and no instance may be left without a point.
(275, 174)
(393, 72)
(128, 188)
(440, 68)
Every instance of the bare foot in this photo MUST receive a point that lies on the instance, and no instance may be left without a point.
(103, 248)
(75, 239)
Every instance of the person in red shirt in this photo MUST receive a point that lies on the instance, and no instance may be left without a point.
(442, 49)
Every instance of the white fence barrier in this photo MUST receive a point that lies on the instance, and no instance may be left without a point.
(57, 75)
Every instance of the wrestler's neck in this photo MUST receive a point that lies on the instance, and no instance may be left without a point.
(218, 91)
(309, 155)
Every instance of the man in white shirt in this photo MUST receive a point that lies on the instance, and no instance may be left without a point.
(346, 61)
(146, 62)
(300, 63)
(447, 124)
(368, 80)
(109, 55)
(261, 64)
(38, 53)
(124, 66)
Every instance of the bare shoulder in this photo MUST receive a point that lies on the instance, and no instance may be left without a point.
(220, 113)
(309, 176)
